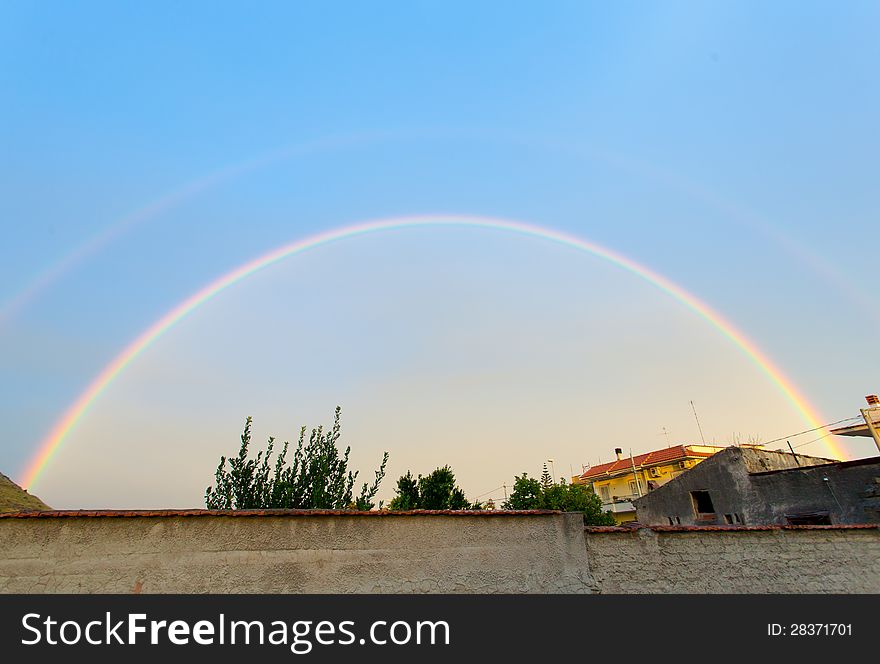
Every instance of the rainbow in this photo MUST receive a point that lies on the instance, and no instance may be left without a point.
(62, 428)
(50, 275)
(43, 280)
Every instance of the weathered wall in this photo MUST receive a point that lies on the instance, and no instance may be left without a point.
(764, 487)
(199, 552)
(849, 492)
(805, 559)
(724, 475)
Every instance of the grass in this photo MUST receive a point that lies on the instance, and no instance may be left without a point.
(15, 499)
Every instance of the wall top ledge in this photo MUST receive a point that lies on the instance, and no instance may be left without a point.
(704, 529)
(63, 514)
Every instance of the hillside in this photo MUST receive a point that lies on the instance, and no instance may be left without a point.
(15, 499)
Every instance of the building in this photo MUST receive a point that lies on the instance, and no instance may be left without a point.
(626, 478)
(870, 425)
(751, 486)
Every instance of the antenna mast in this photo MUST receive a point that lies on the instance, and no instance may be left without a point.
(694, 408)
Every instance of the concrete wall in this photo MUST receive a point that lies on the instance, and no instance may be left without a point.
(295, 552)
(849, 492)
(760, 460)
(201, 552)
(764, 487)
(805, 559)
(724, 475)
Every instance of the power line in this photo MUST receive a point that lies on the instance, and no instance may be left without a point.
(800, 433)
(488, 492)
(814, 440)
(770, 442)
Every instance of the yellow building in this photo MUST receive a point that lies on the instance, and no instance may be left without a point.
(626, 478)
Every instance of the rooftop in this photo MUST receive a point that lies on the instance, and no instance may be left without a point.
(665, 455)
(831, 462)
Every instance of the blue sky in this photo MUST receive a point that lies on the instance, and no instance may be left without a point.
(729, 146)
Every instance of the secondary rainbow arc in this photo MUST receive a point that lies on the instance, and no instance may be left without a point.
(62, 428)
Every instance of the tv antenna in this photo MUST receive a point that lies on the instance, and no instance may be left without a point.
(694, 408)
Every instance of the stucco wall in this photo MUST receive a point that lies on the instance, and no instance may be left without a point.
(806, 559)
(201, 552)
(293, 553)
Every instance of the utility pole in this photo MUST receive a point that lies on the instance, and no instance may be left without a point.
(869, 414)
(635, 477)
(792, 452)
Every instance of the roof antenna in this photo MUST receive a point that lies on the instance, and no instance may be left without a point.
(694, 408)
(666, 433)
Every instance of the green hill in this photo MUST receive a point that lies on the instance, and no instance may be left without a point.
(15, 499)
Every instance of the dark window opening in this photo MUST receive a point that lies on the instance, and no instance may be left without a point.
(728, 518)
(809, 519)
(702, 502)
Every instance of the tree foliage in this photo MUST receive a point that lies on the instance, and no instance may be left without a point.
(527, 494)
(436, 491)
(316, 477)
(546, 480)
(532, 494)
(407, 491)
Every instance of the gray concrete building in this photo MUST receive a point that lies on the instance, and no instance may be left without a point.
(749, 486)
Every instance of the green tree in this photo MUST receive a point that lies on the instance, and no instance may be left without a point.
(546, 480)
(407, 491)
(526, 494)
(530, 494)
(577, 498)
(316, 477)
(436, 491)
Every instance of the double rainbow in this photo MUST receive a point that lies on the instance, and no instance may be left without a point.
(62, 428)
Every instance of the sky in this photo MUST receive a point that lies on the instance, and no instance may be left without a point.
(147, 150)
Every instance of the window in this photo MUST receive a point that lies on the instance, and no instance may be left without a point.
(605, 493)
(635, 489)
(728, 518)
(702, 503)
(808, 519)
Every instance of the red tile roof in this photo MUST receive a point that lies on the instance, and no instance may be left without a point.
(648, 459)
